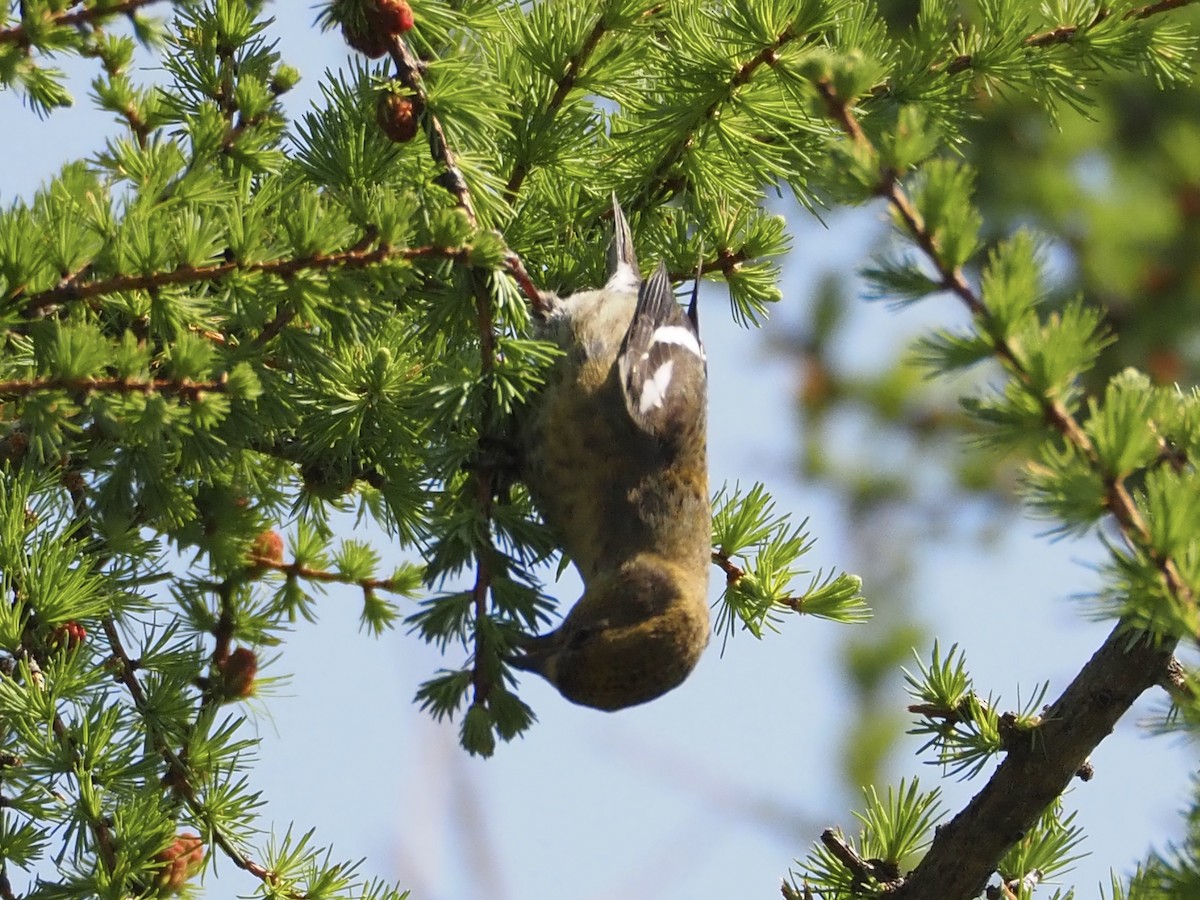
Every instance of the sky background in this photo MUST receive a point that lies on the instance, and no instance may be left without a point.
(714, 789)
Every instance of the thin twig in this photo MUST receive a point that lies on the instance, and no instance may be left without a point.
(733, 572)
(660, 180)
(282, 268)
(408, 73)
(177, 769)
(99, 828)
(484, 488)
(1064, 34)
(178, 772)
(84, 16)
(1117, 497)
(568, 80)
(297, 570)
(862, 871)
(184, 387)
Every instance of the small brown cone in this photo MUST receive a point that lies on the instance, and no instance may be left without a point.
(398, 116)
(366, 39)
(238, 671)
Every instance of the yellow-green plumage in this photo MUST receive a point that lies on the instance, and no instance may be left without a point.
(626, 490)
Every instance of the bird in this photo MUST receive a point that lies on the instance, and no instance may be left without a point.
(613, 451)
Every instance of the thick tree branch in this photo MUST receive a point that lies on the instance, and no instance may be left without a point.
(965, 851)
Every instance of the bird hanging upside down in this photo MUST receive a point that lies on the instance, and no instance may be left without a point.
(614, 455)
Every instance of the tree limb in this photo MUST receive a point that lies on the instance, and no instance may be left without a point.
(965, 850)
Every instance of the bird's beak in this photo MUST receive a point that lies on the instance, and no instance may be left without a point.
(535, 653)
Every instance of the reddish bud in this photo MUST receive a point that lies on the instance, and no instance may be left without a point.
(392, 17)
(179, 862)
(398, 116)
(268, 546)
(238, 671)
(68, 635)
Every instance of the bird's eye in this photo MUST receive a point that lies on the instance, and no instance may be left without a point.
(581, 638)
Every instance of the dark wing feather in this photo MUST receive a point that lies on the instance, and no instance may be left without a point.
(662, 364)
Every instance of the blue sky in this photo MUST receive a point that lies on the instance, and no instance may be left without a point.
(712, 790)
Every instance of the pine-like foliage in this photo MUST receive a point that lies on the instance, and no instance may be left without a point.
(224, 327)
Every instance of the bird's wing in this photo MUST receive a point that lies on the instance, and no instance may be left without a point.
(662, 363)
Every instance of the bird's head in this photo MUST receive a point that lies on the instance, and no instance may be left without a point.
(636, 633)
